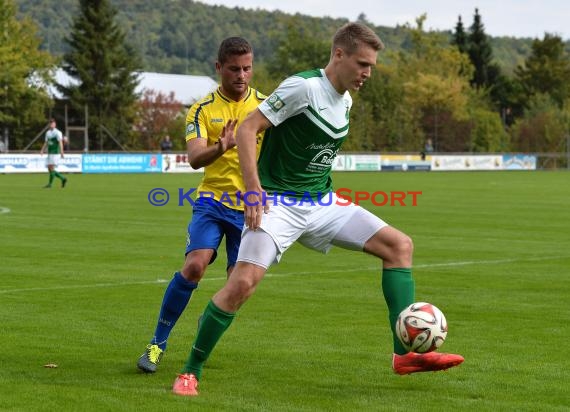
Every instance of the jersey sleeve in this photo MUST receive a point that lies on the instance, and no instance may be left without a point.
(289, 99)
(196, 123)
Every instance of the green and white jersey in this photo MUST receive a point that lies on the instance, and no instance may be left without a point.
(53, 137)
(310, 123)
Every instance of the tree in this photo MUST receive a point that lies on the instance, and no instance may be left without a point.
(298, 51)
(435, 85)
(488, 133)
(438, 101)
(24, 75)
(480, 53)
(148, 24)
(459, 38)
(546, 70)
(158, 115)
(487, 75)
(544, 127)
(380, 116)
(103, 67)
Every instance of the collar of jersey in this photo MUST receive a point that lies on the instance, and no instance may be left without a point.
(227, 99)
(329, 84)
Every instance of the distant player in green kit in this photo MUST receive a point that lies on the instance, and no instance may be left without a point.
(54, 145)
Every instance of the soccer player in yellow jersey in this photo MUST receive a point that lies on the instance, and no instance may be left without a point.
(210, 138)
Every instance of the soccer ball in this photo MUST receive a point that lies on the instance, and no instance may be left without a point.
(421, 327)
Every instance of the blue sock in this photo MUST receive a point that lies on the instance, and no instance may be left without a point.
(176, 297)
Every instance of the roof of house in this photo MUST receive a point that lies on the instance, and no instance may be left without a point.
(187, 88)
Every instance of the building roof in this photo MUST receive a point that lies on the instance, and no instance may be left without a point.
(187, 88)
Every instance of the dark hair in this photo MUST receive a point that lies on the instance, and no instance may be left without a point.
(233, 46)
(352, 35)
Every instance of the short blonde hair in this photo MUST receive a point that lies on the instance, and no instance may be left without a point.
(352, 35)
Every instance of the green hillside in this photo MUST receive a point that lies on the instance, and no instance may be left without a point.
(181, 36)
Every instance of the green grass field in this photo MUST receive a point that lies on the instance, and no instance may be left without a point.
(83, 271)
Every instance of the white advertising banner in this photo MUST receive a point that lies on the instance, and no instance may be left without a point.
(466, 162)
(339, 163)
(34, 163)
(519, 162)
(356, 162)
(177, 163)
(405, 162)
(367, 162)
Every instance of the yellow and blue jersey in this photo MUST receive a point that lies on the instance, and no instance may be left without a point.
(205, 120)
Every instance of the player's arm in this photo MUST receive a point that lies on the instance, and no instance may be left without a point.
(201, 155)
(60, 141)
(246, 137)
(43, 148)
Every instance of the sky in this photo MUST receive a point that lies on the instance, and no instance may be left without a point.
(512, 18)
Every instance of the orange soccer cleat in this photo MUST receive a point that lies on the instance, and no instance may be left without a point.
(186, 385)
(424, 362)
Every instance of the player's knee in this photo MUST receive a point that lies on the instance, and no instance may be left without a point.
(194, 270)
(238, 290)
(407, 246)
(243, 287)
(404, 249)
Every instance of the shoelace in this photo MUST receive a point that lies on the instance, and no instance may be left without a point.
(186, 379)
(154, 353)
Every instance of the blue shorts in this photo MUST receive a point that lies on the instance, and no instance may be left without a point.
(211, 220)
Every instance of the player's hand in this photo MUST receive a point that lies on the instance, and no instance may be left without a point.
(227, 139)
(255, 205)
(62, 155)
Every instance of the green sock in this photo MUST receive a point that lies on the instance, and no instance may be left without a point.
(213, 325)
(398, 288)
(51, 176)
(59, 176)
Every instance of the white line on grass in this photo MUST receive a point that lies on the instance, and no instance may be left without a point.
(4, 210)
(313, 272)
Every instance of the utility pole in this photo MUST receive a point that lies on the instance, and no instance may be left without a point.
(567, 150)
(6, 138)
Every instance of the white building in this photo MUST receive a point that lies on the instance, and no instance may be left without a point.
(187, 89)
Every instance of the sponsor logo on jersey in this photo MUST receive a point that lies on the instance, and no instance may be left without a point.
(320, 146)
(321, 161)
(190, 128)
(275, 102)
